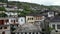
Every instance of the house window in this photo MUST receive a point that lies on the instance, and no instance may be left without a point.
(0, 27)
(22, 20)
(58, 26)
(30, 18)
(5, 27)
(38, 18)
(53, 26)
(7, 20)
(12, 20)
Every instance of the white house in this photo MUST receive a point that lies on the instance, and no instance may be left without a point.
(12, 14)
(4, 26)
(3, 4)
(55, 23)
(13, 20)
(21, 20)
(50, 14)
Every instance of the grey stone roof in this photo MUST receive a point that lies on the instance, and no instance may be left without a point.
(27, 28)
(55, 19)
(34, 15)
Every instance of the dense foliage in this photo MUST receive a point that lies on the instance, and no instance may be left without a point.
(2, 9)
(30, 8)
(3, 1)
(3, 15)
(26, 5)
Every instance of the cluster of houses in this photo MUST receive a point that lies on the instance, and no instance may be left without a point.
(29, 24)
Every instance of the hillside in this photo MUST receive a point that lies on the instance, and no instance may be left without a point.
(32, 8)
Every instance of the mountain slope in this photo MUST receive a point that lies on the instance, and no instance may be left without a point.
(32, 8)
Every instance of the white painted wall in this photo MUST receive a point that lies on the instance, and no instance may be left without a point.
(21, 20)
(56, 23)
(50, 15)
(10, 13)
(7, 32)
(11, 19)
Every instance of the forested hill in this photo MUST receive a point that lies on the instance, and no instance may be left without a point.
(32, 7)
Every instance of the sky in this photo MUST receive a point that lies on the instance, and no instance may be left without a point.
(41, 2)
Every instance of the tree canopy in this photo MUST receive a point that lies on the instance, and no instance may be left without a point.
(2, 9)
(3, 15)
(4, 1)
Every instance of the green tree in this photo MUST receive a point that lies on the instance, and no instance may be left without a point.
(4, 1)
(3, 15)
(2, 9)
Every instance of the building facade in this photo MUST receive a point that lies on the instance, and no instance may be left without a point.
(55, 23)
(4, 26)
(33, 19)
(21, 20)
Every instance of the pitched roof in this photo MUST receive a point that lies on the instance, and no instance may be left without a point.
(55, 19)
(35, 15)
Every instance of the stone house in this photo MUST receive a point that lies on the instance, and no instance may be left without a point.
(8, 23)
(33, 18)
(4, 26)
(55, 23)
